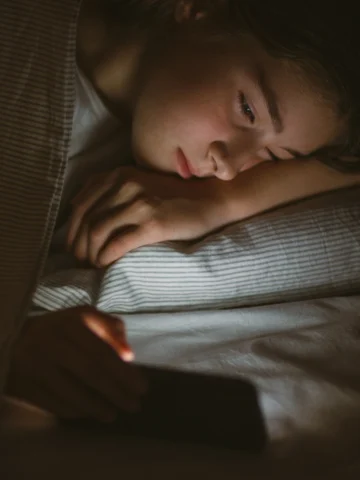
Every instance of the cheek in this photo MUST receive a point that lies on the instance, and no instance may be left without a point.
(181, 120)
(199, 116)
(199, 125)
(169, 114)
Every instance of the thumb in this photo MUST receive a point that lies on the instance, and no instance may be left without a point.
(132, 239)
(112, 331)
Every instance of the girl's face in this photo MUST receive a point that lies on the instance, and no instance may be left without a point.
(216, 108)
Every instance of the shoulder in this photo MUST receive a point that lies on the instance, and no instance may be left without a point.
(93, 33)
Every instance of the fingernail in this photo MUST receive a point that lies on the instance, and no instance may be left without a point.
(127, 355)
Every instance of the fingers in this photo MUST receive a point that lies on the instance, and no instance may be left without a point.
(106, 354)
(112, 202)
(111, 332)
(126, 242)
(50, 386)
(87, 199)
(105, 203)
(85, 189)
(91, 384)
(133, 216)
(67, 362)
(80, 244)
(93, 347)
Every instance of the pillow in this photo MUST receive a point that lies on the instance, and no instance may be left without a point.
(308, 249)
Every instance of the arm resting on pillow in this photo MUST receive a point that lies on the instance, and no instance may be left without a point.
(160, 207)
(300, 251)
(270, 185)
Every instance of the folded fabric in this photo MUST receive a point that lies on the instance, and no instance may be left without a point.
(37, 57)
(309, 249)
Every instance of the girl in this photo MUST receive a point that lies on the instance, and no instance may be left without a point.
(213, 101)
(205, 90)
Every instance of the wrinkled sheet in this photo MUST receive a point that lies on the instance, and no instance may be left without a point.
(303, 357)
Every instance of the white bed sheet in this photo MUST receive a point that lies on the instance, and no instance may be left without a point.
(303, 357)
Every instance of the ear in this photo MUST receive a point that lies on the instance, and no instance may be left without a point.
(187, 10)
(192, 10)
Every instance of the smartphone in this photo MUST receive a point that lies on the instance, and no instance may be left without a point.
(196, 408)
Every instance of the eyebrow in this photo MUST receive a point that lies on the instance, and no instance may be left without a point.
(271, 101)
(272, 105)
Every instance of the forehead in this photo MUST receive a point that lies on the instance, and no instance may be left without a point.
(308, 116)
(310, 122)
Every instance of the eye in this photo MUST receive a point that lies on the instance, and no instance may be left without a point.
(245, 108)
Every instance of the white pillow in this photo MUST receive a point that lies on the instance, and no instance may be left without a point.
(308, 249)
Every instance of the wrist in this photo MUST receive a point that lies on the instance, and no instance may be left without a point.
(222, 203)
(254, 191)
(270, 185)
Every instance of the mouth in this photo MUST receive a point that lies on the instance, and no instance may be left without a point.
(184, 167)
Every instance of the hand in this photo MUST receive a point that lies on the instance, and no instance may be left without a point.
(72, 363)
(127, 208)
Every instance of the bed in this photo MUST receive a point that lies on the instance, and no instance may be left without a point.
(287, 316)
(289, 322)
(303, 358)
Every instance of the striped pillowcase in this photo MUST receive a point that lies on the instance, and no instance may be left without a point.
(305, 250)
(37, 94)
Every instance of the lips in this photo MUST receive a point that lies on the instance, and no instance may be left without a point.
(184, 167)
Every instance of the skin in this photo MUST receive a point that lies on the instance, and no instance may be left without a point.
(208, 104)
(190, 95)
(180, 92)
(73, 363)
(199, 107)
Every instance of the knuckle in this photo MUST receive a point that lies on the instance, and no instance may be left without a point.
(142, 208)
(96, 229)
(130, 187)
(141, 203)
(146, 204)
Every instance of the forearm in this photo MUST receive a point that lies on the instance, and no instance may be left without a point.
(241, 266)
(270, 185)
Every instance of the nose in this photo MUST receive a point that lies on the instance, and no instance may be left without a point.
(222, 165)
